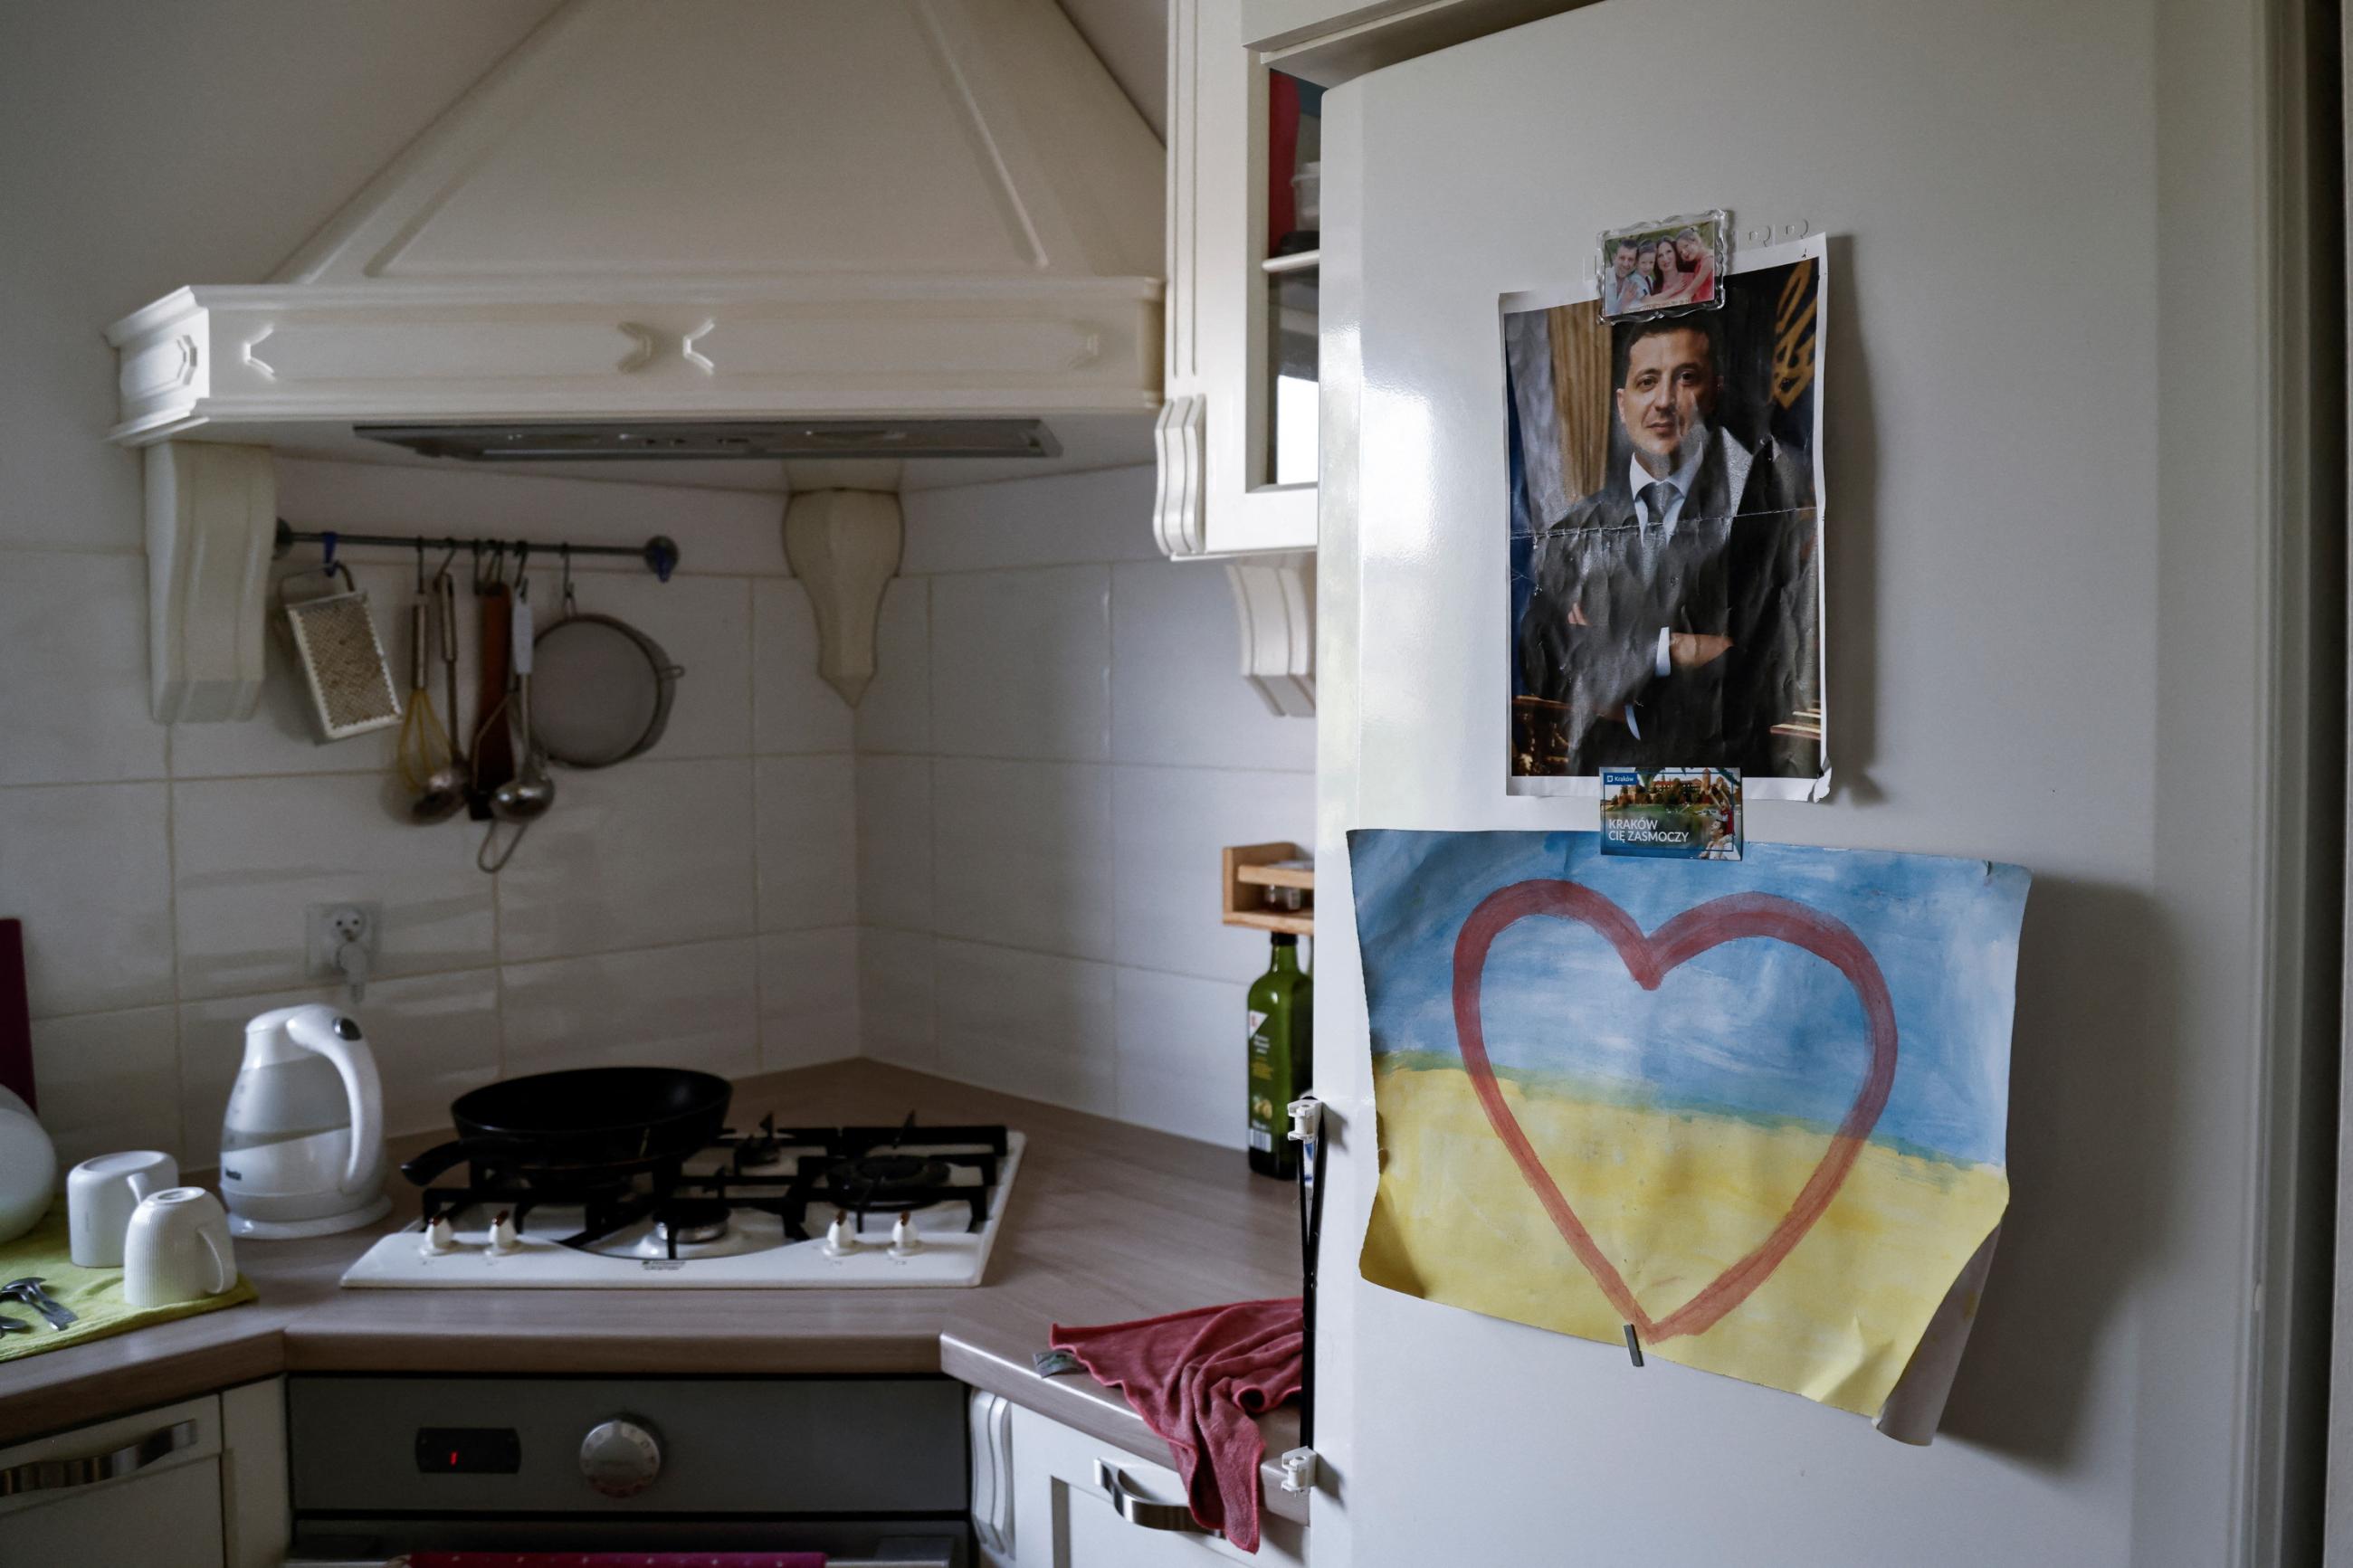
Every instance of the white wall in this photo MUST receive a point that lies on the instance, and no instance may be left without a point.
(694, 906)
(697, 906)
(1055, 749)
(2045, 557)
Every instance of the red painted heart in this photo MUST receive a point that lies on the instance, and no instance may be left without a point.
(1649, 959)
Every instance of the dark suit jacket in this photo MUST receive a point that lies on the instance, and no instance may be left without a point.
(1739, 563)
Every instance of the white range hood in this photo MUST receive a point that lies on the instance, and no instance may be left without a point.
(709, 210)
(825, 228)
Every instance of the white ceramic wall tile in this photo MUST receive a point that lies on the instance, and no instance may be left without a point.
(433, 1036)
(808, 842)
(1171, 824)
(1022, 855)
(1176, 693)
(109, 1081)
(646, 853)
(252, 856)
(1182, 1067)
(282, 735)
(1106, 515)
(895, 842)
(1027, 1023)
(895, 713)
(691, 1007)
(73, 706)
(895, 1021)
(715, 530)
(703, 625)
(808, 997)
(86, 869)
(1021, 663)
(793, 710)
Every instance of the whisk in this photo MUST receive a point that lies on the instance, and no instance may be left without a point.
(426, 759)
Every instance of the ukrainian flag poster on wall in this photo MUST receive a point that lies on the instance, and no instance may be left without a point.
(1752, 1111)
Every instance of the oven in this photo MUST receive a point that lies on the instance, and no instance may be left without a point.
(864, 1469)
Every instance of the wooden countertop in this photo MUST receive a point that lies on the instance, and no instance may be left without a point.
(1106, 1222)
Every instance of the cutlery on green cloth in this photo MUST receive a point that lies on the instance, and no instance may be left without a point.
(94, 1296)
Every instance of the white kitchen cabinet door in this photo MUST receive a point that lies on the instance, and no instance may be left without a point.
(1062, 1519)
(256, 1501)
(1229, 484)
(142, 1489)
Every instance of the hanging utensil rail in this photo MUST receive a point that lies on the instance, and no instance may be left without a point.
(660, 554)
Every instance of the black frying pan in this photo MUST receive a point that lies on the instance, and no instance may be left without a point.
(581, 1120)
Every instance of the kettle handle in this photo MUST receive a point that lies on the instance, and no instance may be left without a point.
(360, 1085)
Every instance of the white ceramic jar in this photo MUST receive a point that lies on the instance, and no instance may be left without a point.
(29, 1168)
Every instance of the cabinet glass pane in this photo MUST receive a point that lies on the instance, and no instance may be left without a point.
(1294, 147)
(1291, 363)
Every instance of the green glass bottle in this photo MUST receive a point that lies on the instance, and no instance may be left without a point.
(1281, 1057)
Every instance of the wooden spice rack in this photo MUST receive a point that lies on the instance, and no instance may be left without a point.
(1249, 869)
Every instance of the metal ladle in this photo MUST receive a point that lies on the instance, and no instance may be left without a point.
(527, 796)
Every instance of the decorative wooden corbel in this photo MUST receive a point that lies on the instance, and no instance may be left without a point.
(212, 525)
(1274, 610)
(844, 547)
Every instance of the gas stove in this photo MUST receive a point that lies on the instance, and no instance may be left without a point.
(780, 1207)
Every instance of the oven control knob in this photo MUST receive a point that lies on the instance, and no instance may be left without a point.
(620, 1458)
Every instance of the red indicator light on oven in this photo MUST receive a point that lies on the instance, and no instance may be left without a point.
(469, 1450)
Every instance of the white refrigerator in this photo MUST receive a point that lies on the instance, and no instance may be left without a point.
(2040, 408)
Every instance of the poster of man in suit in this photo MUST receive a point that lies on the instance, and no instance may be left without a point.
(1666, 496)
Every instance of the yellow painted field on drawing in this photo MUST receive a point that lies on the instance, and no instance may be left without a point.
(1673, 1197)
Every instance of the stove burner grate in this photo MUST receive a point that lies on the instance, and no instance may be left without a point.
(856, 1170)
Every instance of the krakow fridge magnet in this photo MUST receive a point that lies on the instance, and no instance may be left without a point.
(1664, 477)
(1671, 813)
(1667, 264)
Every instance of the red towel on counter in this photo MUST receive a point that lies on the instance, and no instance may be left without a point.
(612, 1560)
(1198, 1378)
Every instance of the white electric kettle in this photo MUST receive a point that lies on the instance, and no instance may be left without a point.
(303, 1144)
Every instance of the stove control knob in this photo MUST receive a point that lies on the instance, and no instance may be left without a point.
(620, 1458)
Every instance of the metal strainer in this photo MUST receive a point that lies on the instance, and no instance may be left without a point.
(600, 690)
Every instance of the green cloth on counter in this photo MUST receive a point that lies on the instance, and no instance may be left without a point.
(95, 1295)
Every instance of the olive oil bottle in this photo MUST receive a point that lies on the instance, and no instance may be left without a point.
(1281, 1057)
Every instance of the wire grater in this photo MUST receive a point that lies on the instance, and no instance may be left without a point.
(336, 644)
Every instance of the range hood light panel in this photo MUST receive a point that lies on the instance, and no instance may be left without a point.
(751, 439)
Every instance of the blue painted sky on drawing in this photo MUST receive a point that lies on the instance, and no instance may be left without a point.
(1755, 1026)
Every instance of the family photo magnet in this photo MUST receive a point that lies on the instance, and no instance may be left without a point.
(1666, 265)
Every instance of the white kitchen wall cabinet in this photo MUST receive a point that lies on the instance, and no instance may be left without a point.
(1220, 448)
(1235, 436)
(1062, 1515)
(1330, 41)
(1238, 432)
(142, 1488)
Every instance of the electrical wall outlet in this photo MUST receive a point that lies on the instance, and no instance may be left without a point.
(330, 927)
